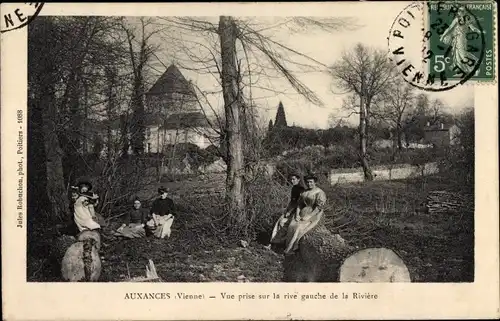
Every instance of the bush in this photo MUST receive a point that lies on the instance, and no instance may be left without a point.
(459, 163)
(208, 217)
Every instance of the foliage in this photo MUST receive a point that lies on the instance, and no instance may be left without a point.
(460, 160)
(280, 140)
(366, 74)
(266, 200)
(320, 160)
(280, 120)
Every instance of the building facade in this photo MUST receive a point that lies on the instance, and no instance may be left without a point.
(441, 135)
(174, 115)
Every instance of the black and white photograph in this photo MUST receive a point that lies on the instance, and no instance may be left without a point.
(200, 149)
(329, 146)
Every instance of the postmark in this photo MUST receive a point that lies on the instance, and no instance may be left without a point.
(18, 15)
(456, 32)
(415, 44)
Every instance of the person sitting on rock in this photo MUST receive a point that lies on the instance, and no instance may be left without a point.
(310, 211)
(85, 187)
(135, 222)
(82, 213)
(161, 212)
(281, 226)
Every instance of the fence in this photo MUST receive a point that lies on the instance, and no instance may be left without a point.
(392, 172)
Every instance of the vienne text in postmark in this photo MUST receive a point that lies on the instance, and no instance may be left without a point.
(18, 15)
(414, 50)
(461, 38)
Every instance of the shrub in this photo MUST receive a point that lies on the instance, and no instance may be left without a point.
(459, 163)
(207, 217)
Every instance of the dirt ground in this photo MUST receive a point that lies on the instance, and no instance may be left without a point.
(436, 248)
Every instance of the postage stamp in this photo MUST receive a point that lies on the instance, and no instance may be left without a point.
(439, 45)
(459, 31)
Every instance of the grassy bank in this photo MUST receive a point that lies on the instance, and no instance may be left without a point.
(436, 248)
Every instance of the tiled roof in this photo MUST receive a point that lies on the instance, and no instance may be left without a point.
(172, 81)
(185, 120)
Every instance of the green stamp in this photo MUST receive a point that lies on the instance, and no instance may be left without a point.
(461, 39)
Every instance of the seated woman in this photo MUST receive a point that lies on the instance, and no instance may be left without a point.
(83, 217)
(84, 186)
(281, 226)
(162, 215)
(308, 214)
(135, 221)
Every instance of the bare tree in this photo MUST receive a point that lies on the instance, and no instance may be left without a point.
(242, 54)
(398, 103)
(139, 59)
(364, 72)
(228, 33)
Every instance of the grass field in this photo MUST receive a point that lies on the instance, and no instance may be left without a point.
(436, 248)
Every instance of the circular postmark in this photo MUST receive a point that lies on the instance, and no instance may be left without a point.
(18, 15)
(436, 45)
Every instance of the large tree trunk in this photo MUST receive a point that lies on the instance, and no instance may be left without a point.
(232, 107)
(56, 190)
(110, 111)
(399, 133)
(137, 126)
(37, 173)
(363, 140)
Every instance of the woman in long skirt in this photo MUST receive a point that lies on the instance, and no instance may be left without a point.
(281, 226)
(310, 211)
(135, 220)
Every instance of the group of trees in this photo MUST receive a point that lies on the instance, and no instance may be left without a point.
(85, 71)
(400, 116)
(382, 99)
(88, 70)
(85, 76)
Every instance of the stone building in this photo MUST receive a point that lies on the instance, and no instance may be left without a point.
(174, 114)
(441, 135)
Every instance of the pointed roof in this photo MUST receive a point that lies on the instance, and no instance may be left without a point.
(172, 81)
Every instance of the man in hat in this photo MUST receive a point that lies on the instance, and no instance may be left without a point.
(162, 212)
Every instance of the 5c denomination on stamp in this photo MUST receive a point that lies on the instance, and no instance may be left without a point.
(461, 37)
(439, 54)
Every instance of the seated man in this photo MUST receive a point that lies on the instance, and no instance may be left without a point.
(135, 221)
(162, 215)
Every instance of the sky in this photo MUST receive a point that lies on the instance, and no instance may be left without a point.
(325, 47)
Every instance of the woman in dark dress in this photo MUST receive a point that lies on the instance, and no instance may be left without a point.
(281, 226)
(135, 221)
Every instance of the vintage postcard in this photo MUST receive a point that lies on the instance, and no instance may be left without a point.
(249, 161)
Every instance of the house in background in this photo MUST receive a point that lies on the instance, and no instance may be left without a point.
(441, 135)
(174, 115)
